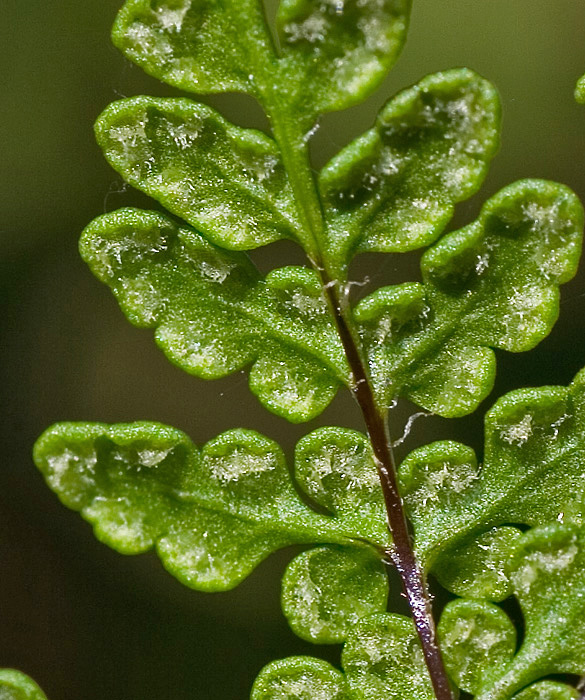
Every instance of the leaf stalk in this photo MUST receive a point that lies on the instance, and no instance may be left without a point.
(296, 161)
(401, 555)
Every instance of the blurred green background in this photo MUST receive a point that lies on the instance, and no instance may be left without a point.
(84, 621)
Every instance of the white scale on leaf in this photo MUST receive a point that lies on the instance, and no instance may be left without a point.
(553, 265)
(467, 633)
(526, 311)
(374, 645)
(550, 258)
(308, 304)
(120, 520)
(291, 390)
(421, 204)
(143, 298)
(414, 217)
(130, 136)
(147, 457)
(463, 112)
(133, 145)
(184, 135)
(482, 263)
(171, 18)
(151, 457)
(440, 484)
(357, 72)
(114, 253)
(484, 640)
(176, 182)
(307, 595)
(351, 464)
(205, 355)
(383, 332)
(390, 163)
(217, 272)
(240, 463)
(544, 219)
(462, 116)
(524, 301)
(518, 433)
(179, 67)
(538, 563)
(193, 560)
(107, 251)
(67, 462)
(301, 687)
(456, 179)
(458, 377)
(236, 226)
(375, 33)
(385, 655)
(557, 424)
(313, 29)
(213, 268)
(260, 170)
(461, 631)
(146, 42)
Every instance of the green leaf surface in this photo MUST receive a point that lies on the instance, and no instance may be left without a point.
(226, 181)
(327, 590)
(491, 284)
(548, 690)
(299, 678)
(341, 49)
(382, 660)
(197, 45)
(476, 567)
(394, 188)
(212, 514)
(335, 467)
(213, 314)
(477, 640)
(532, 474)
(548, 577)
(15, 685)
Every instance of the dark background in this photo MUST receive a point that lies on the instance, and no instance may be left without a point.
(85, 622)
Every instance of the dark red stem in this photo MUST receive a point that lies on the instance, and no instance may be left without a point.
(402, 553)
